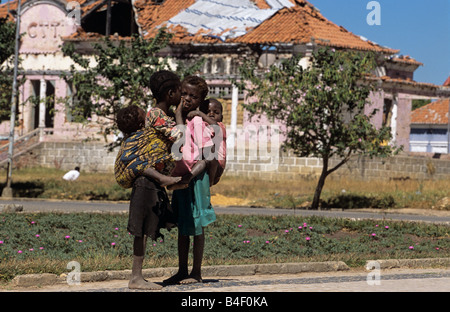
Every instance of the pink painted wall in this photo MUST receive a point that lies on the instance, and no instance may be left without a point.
(60, 92)
(403, 121)
(376, 100)
(43, 25)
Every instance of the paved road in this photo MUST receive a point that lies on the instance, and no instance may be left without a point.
(355, 280)
(30, 205)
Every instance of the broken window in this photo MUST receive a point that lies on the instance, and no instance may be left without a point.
(220, 66)
(387, 112)
(234, 67)
(43, 101)
(50, 104)
(111, 17)
(76, 109)
(207, 69)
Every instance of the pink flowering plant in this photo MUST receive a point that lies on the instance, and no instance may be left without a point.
(46, 242)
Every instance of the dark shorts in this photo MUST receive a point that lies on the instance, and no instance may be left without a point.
(150, 209)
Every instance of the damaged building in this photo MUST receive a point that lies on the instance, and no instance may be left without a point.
(221, 31)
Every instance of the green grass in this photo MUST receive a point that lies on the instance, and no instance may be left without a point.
(337, 193)
(47, 242)
(48, 183)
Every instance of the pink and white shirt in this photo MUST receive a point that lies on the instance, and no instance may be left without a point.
(198, 136)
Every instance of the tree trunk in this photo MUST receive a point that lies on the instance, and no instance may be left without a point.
(315, 204)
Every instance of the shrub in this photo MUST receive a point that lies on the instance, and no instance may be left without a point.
(350, 201)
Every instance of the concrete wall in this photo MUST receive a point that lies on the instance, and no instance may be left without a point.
(89, 156)
(288, 166)
(94, 157)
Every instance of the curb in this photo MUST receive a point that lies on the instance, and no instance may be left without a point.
(412, 263)
(47, 279)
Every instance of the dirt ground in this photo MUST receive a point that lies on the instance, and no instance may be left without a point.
(221, 200)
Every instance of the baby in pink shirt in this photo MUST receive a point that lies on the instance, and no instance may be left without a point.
(212, 112)
(197, 137)
(203, 134)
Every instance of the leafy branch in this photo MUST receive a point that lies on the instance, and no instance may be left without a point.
(115, 74)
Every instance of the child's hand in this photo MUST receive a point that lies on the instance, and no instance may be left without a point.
(179, 114)
(179, 107)
(192, 114)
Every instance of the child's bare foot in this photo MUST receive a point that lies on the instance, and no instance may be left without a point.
(140, 283)
(182, 184)
(176, 278)
(191, 279)
(166, 180)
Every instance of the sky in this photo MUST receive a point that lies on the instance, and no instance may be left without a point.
(418, 28)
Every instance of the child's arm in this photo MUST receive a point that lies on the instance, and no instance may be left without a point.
(163, 180)
(197, 169)
(179, 114)
(205, 117)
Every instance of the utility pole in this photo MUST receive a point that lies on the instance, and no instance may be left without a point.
(448, 129)
(7, 191)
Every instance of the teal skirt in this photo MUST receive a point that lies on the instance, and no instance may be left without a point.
(193, 206)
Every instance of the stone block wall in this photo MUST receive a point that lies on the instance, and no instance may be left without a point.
(94, 157)
(89, 156)
(288, 166)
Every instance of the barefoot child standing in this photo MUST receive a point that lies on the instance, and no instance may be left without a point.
(193, 203)
(145, 163)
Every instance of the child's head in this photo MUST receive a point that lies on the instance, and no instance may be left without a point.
(130, 119)
(213, 109)
(194, 90)
(166, 86)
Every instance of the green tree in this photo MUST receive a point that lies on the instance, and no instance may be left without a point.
(119, 75)
(419, 103)
(323, 107)
(7, 39)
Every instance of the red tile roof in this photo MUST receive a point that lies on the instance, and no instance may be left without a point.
(406, 60)
(447, 82)
(12, 5)
(407, 82)
(299, 24)
(303, 24)
(81, 35)
(434, 113)
(261, 4)
(150, 16)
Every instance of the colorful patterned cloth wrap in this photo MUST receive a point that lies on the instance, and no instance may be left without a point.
(147, 148)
